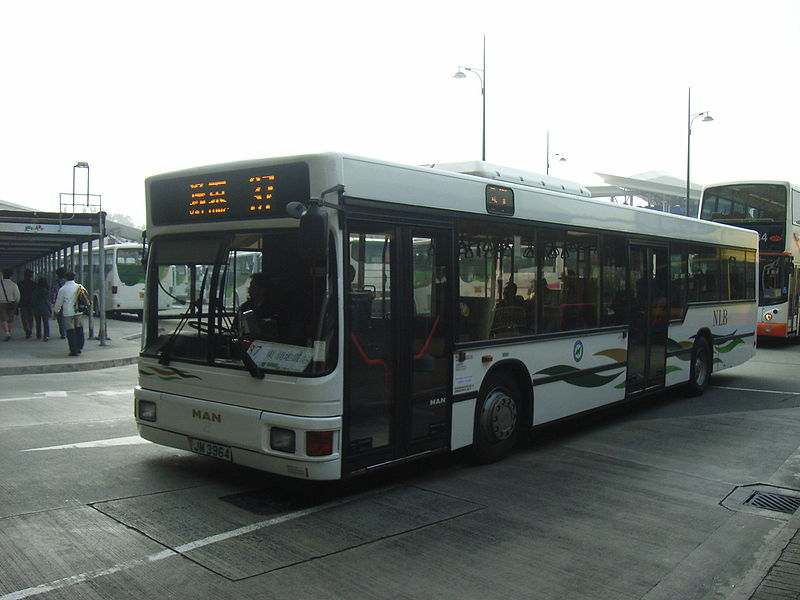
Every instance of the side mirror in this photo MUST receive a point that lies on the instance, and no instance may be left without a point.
(312, 238)
(144, 249)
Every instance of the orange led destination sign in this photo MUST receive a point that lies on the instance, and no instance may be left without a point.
(242, 194)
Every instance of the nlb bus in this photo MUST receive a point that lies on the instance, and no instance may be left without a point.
(124, 276)
(772, 208)
(413, 310)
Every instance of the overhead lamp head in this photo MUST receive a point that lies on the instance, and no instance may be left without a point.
(708, 117)
(562, 159)
(459, 75)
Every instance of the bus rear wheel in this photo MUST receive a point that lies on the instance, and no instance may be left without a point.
(700, 368)
(497, 419)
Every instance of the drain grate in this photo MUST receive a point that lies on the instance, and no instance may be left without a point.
(775, 502)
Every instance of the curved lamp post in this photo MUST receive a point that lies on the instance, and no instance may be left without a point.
(561, 157)
(690, 119)
(481, 74)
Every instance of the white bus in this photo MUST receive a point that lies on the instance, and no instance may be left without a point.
(772, 208)
(413, 310)
(124, 278)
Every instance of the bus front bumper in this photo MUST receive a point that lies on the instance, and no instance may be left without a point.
(243, 436)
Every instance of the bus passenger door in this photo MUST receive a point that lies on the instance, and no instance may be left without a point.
(428, 353)
(397, 340)
(794, 300)
(649, 314)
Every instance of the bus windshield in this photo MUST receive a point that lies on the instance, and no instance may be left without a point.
(242, 300)
(129, 266)
(745, 203)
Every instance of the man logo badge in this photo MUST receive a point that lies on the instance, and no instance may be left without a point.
(204, 415)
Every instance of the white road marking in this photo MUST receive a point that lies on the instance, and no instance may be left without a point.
(736, 389)
(63, 394)
(21, 398)
(122, 441)
(188, 547)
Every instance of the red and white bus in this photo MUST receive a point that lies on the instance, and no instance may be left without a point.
(772, 208)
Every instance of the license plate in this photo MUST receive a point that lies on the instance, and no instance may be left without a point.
(212, 450)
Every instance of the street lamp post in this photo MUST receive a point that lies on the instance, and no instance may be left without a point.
(102, 335)
(690, 119)
(481, 74)
(561, 158)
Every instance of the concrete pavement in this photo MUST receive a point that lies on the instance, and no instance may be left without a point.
(775, 572)
(29, 356)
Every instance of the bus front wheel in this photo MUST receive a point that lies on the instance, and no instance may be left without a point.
(700, 368)
(497, 419)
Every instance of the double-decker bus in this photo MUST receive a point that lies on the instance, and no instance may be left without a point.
(415, 310)
(124, 276)
(772, 208)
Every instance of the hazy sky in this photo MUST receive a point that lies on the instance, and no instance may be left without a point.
(136, 89)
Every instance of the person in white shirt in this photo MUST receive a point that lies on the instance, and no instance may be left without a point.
(73, 320)
(9, 298)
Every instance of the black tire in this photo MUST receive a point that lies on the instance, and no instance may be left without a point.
(497, 419)
(700, 368)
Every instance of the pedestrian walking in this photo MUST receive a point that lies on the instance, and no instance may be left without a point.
(42, 309)
(9, 298)
(62, 331)
(26, 287)
(66, 302)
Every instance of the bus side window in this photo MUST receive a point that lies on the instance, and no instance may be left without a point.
(678, 280)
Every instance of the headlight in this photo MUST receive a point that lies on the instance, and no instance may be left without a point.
(281, 440)
(768, 316)
(147, 410)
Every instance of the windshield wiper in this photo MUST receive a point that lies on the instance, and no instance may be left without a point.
(195, 307)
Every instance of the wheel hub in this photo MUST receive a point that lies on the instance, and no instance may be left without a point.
(499, 417)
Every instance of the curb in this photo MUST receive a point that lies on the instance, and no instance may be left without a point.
(68, 367)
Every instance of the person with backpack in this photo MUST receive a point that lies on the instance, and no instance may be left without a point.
(59, 314)
(67, 302)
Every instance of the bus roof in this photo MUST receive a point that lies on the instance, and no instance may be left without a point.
(751, 182)
(509, 175)
(435, 188)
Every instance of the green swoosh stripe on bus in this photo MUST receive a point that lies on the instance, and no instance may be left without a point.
(589, 380)
(593, 380)
(729, 346)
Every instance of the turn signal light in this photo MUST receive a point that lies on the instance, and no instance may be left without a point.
(319, 443)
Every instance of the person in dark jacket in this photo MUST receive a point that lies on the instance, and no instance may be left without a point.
(26, 287)
(42, 310)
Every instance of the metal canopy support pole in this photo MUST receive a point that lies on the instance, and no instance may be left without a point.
(79, 270)
(101, 259)
(90, 289)
(688, 154)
